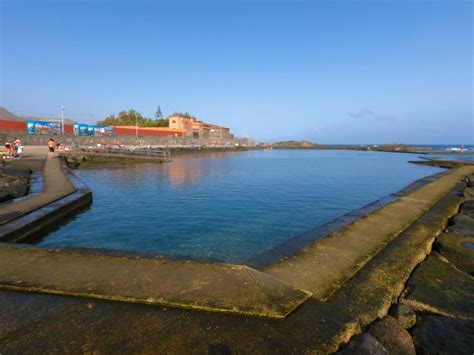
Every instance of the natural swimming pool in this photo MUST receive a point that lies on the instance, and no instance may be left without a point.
(230, 206)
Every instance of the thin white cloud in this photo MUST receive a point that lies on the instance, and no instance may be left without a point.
(367, 114)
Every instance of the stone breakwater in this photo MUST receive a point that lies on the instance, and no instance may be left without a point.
(14, 183)
(435, 312)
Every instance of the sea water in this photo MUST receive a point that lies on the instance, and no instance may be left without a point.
(230, 206)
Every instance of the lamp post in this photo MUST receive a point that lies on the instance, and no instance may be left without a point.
(62, 119)
(136, 125)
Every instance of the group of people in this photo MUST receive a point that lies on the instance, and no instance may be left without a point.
(14, 150)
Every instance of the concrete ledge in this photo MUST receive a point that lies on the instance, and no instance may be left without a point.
(56, 186)
(295, 245)
(210, 287)
(49, 211)
(324, 266)
(371, 292)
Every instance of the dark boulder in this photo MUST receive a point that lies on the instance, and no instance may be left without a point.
(443, 335)
(14, 183)
(393, 336)
(453, 247)
(404, 314)
(467, 208)
(363, 344)
(462, 224)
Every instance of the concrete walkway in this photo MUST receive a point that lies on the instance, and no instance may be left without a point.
(56, 186)
(322, 267)
(212, 287)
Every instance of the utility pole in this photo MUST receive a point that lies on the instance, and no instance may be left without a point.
(136, 125)
(62, 119)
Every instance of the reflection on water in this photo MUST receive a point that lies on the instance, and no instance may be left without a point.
(230, 206)
(186, 171)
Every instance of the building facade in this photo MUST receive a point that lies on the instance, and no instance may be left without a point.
(191, 127)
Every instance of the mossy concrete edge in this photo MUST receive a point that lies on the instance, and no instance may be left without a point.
(34, 224)
(226, 288)
(339, 256)
(379, 284)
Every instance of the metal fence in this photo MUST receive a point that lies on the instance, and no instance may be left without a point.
(141, 151)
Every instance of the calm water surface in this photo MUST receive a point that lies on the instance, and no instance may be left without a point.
(230, 206)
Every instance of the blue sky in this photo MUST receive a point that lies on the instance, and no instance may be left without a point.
(327, 71)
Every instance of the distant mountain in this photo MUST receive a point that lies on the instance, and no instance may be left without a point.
(7, 115)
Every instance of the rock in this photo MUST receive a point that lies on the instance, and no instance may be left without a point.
(438, 287)
(364, 344)
(470, 180)
(462, 224)
(393, 337)
(72, 162)
(469, 193)
(405, 315)
(467, 208)
(443, 335)
(14, 183)
(453, 247)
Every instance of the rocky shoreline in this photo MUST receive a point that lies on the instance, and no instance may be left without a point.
(93, 160)
(392, 148)
(435, 312)
(14, 183)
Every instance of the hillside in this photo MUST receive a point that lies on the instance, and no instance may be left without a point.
(7, 115)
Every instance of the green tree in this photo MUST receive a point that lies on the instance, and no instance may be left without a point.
(158, 113)
(132, 118)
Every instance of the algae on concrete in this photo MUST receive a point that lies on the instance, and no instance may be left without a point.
(211, 287)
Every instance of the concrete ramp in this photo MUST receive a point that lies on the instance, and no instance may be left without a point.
(210, 287)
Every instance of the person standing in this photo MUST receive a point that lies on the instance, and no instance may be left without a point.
(16, 144)
(9, 148)
(51, 146)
